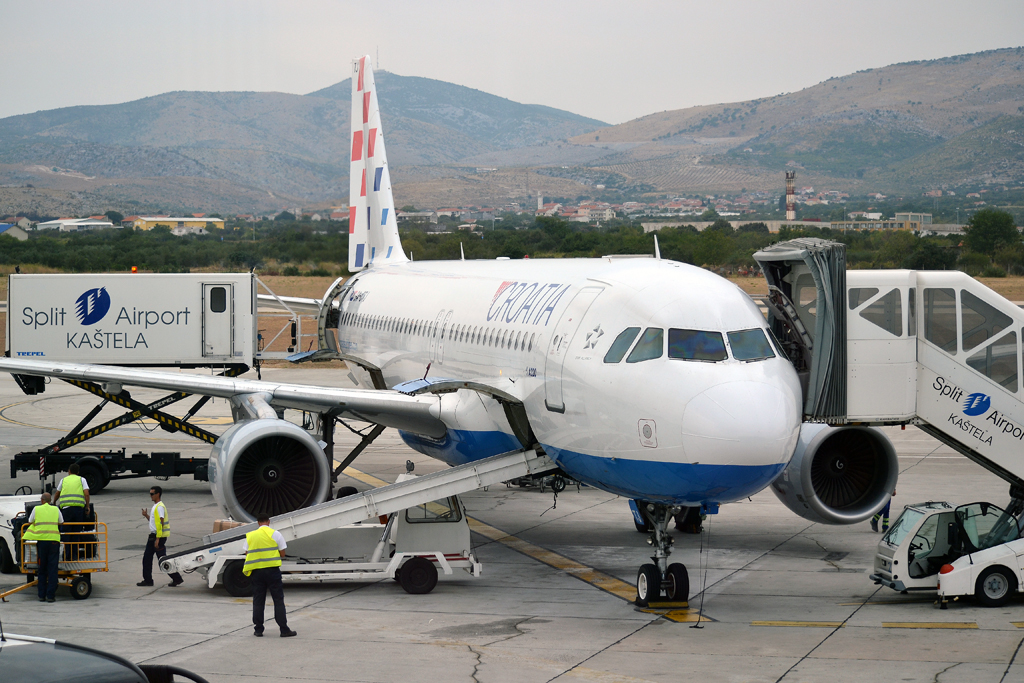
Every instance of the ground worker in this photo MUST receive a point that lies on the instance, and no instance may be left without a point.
(883, 514)
(45, 522)
(264, 549)
(72, 497)
(156, 544)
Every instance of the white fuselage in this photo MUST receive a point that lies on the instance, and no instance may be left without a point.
(665, 428)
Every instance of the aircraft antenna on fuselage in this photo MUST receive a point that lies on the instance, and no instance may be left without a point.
(657, 251)
(373, 226)
(462, 252)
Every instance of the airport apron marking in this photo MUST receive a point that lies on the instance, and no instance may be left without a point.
(608, 584)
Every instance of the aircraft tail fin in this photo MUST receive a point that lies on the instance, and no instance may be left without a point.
(372, 225)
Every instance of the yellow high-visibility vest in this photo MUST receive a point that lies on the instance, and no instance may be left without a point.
(262, 550)
(161, 520)
(71, 492)
(47, 524)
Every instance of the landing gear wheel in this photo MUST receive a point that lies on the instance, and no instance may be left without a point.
(648, 585)
(995, 586)
(81, 588)
(418, 576)
(558, 483)
(236, 583)
(678, 582)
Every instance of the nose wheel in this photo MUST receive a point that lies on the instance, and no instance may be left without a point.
(660, 578)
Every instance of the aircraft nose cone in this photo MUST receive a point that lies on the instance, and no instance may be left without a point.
(741, 423)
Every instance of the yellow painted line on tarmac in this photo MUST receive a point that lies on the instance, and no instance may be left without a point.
(675, 611)
(1018, 624)
(801, 624)
(930, 624)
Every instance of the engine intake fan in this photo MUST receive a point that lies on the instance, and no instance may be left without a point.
(838, 475)
(267, 468)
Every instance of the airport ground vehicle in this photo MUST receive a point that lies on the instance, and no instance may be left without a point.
(41, 660)
(410, 547)
(99, 468)
(970, 550)
(83, 548)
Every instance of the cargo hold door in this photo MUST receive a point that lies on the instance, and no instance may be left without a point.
(218, 320)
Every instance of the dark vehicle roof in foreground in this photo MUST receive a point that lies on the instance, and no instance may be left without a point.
(25, 659)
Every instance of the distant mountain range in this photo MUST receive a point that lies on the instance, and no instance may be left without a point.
(950, 122)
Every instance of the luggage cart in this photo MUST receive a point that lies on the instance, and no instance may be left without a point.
(83, 552)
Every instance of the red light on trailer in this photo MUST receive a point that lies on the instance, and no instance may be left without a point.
(135, 269)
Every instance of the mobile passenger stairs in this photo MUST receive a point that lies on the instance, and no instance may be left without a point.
(937, 350)
(425, 525)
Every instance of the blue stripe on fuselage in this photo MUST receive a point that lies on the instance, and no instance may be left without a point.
(677, 483)
(665, 482)
(458, 447)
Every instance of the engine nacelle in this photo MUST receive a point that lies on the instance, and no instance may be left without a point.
(268, 467)
(838, 475)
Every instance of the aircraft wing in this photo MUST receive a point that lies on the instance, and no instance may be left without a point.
(416, 414)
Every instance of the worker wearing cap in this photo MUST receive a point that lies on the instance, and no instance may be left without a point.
(156, 544)
(264, 549)
(45, 522)
(72, 498)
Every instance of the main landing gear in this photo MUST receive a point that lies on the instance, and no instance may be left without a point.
(661, 578)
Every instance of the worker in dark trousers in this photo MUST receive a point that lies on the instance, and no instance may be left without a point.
(264, 549)
(45, 522)
(156, 544)
(883, 515)
(72, 497)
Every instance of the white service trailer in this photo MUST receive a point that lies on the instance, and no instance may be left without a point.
(183, 320)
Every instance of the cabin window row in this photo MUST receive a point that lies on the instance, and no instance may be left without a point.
(693, 345)
(461, 333)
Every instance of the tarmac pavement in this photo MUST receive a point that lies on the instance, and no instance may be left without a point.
(784, 599)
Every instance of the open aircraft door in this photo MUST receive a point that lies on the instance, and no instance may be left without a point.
(807, 312)
(561, 339)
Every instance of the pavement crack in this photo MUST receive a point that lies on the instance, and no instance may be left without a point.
(1012, 659)
(479, 661)
(936, 679)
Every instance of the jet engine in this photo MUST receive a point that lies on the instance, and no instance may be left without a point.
(268, 467)
(838, 475)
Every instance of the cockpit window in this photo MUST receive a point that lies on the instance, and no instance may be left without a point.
(621, 345)
(750, 345)
(696, 345)
(651, 345)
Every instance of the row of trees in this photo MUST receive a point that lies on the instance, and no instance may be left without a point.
(991, 246)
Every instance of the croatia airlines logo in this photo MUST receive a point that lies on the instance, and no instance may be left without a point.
(976, 404)
(92, 306)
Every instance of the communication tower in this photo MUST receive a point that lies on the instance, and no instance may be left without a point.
(790, 195)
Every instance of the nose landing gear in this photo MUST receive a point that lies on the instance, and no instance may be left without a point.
(661, 578)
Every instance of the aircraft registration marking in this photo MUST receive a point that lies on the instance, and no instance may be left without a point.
(598, 579)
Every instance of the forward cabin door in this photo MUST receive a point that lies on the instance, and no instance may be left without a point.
(558, 346)
(218, 320)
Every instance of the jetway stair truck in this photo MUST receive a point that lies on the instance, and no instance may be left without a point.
(936, 350)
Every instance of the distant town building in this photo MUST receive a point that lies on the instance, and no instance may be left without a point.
(20, 221)
(173, 222)
(13, 231)
(75, 224)
(922, 218)
(417, 216)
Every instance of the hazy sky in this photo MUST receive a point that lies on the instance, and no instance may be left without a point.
(612, 61)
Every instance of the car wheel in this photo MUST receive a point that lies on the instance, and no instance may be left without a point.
(81, 588)
(236, 583)
(995, 586)
(418, 576)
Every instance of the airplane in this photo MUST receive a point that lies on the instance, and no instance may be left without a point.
(644, 377)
